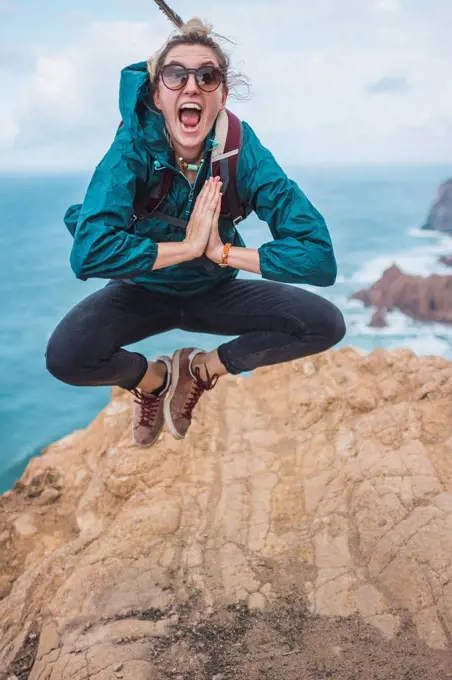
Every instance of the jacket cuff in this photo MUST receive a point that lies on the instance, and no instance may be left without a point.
(267, 271)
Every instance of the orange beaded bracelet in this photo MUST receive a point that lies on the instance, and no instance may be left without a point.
(224, 255)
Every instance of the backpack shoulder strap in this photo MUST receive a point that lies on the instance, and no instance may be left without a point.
(157, 194)
(224, 162)
(158, 191)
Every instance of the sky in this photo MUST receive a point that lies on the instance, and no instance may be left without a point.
(332, 81)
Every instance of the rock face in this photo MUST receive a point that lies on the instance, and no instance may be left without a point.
(440, 217)
(302, 530)
(378, 319)
(424, 299)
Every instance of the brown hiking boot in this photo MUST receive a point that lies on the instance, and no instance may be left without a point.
(185, 390)
(148, 419)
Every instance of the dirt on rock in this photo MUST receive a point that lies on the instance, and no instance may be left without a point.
(286, 641)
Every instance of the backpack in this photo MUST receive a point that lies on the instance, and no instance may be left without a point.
(224, 159)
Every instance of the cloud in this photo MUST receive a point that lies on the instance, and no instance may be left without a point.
(388, 85)
(388, 5)
(312, 68)
(73, 93)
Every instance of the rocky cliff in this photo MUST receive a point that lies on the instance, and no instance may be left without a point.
(440, 216)
(302, 530)
(422, 298)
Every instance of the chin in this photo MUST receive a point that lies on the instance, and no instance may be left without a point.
(191, 138)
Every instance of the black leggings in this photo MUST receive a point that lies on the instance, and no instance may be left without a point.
(274, 322)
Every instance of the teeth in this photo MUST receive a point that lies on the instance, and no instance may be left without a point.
(190, 106)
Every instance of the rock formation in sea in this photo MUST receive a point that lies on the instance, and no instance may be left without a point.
(440, 216)
(447, 260)
(422, 298)
(302, 530)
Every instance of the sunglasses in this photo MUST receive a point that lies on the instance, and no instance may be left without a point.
(175, 77)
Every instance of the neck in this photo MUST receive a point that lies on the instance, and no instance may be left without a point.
(189, 155)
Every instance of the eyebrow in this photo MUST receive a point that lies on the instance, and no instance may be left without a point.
(208, 62)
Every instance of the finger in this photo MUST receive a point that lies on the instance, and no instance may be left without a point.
(198, 206)
(215, 195)
(216, 214)
(204, 194)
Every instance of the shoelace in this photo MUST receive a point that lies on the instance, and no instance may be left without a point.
(149, 405)
(199, 386)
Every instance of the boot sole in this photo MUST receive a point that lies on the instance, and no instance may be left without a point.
(171, 391)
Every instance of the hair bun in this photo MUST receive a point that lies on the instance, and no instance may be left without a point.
(196, 25)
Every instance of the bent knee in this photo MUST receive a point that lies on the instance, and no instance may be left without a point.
(330, 327)
(56, 364)
(338, 327)
(60, 362)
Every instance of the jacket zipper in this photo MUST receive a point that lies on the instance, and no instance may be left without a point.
(192, 186)
(192, 191)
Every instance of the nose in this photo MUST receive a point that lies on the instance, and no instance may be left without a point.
(191, 85)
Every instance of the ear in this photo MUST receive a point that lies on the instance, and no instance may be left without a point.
(156, 98)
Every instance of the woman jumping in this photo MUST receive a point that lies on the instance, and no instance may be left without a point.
(175, 265)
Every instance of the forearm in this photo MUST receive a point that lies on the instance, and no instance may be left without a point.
(244, 258)
(241, 258)
(172, 253)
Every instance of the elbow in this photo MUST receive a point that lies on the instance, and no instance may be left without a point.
(321, 273)
(329, 274)
(327, 268)
(79, 264)
(86, 258)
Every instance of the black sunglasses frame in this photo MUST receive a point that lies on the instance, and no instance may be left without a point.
(195, 72)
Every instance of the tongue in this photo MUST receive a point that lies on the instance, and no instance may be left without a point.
(190, 117)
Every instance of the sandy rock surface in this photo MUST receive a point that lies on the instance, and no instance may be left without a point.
(302, 530)
(422, 298)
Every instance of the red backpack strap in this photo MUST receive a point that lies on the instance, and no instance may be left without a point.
(224, 162)
(150, 203)
(160, 190)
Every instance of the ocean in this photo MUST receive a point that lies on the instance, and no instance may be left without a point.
(374, 215)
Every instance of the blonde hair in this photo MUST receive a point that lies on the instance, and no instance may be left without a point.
(198, 32)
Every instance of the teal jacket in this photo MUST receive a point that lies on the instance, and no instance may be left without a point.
(104, 247)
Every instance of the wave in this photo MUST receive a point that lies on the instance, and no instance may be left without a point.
(425, 345)
(417, 232)
(419, 261)
(402, 331)
(397, 324)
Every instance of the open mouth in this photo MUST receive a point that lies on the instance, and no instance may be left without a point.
(190, 115)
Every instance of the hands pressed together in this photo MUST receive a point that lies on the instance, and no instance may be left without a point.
(203, 234)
